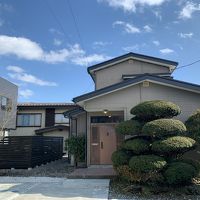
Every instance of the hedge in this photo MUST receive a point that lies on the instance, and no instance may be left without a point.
(173, 145)
(150, 110)
(130, 127)
(137, 145)
(120, 158)
(179, 173)
(193, 125)
(147, 163)
(164, 127)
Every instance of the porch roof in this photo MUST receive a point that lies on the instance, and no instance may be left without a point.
(127, 83)
(73, 112)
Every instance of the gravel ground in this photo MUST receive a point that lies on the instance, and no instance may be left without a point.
(121, 190)
(59, 168)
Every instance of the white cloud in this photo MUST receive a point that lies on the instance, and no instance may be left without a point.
(188, 10)
(101, 43)
(85, 60)
(147, 28)
(57, 42)
(166, 51)
(158, 15)
(26, 93)
(130, 5)
(128, 28)
(186, 35)
(55, 31)
(156, 42)
(26, 49)
(19, 74)
(131, 48)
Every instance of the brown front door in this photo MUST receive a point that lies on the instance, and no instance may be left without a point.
(103, 143)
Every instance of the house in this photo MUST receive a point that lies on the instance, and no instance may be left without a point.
(8, 106)
(120, 84)
(42, 119)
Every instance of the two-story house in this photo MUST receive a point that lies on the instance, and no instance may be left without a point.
(120, 84)
(42, 119)
(8, 106)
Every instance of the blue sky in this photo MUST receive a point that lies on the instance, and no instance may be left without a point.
(46, 46)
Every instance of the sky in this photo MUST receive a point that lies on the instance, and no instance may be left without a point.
(47, 45)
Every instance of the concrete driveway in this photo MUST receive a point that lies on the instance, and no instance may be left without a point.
(45, 188)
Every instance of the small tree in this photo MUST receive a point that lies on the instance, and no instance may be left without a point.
(75, 145)
(154, 150)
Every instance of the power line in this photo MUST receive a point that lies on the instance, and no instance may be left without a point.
(183, 66)
(77, 28)
(57, 20)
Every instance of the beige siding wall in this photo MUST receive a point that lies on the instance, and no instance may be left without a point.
(111, 75)
(127, 98)
(10, 91)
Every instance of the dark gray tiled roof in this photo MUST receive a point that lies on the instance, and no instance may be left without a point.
(125, 83)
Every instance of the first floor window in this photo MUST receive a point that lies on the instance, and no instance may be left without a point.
(29, 120)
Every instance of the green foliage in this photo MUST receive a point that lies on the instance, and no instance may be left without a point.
(179, 173)
(150, 110)
(120, 158)
(75, 145)
(193, 125)
(130, 127)
(173, 145)
(147, 163)
(137, 145)
(164, 127)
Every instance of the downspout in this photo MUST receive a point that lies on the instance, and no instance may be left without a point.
(86, 137)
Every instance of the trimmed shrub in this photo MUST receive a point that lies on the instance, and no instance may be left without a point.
(137, 145)
(173, 145)
(150, 110)
(128, 174)
(164, 127)
(179, 173)
(130, 127)
(147, 163)
(193, 125)
(120, 158)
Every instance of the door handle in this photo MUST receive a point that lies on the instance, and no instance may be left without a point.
(101, 145)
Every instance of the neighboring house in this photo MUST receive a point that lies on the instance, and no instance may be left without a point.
(8, 106)
(120, 84)
(42, 119)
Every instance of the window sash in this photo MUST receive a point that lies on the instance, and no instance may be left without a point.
(29, 120)
(60, 119)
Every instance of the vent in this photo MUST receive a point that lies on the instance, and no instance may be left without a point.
(130, 61)
(145, 84)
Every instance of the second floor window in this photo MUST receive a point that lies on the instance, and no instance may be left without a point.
(26, 120)
(4, 102)
(60, 119)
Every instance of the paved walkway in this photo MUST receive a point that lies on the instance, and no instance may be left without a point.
(97, 172)
(45, 188)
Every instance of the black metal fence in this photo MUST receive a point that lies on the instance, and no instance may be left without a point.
(22, 152)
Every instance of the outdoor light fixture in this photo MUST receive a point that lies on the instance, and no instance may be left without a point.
(105, 111)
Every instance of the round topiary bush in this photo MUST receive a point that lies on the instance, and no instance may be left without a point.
(150, 110)
(147, 163)
(179, 173)
(173, 145)
(137, 145)
(164, 127)
(120, 158)
(130, 127)
(193, 125)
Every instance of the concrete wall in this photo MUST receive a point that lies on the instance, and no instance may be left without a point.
(111, 75)
(10, 91)
(127, 98)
